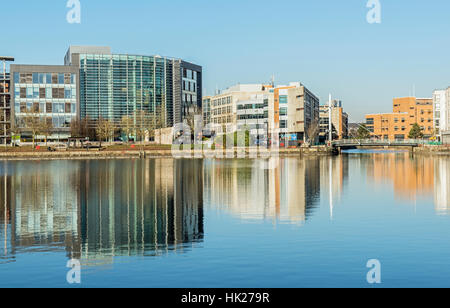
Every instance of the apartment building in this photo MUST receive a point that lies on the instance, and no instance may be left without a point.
(407, 111)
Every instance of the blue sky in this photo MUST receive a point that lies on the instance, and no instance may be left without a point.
(326, 44)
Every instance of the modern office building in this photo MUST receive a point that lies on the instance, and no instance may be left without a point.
(253, 114)
(5, 102)
(286, 110)
(339, 121)
(407, 111)
(116, 85)
(243, 106)
(295, 110)
(49, 92)
(441, 112)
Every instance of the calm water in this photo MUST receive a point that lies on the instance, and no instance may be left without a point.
(312, 222)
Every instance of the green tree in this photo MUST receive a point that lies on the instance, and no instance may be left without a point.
(415, 132)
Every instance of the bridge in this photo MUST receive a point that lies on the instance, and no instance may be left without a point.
(349, 144)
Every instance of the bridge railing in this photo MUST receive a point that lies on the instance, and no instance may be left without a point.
(382, 142)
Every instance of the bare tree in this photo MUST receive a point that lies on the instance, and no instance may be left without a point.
(313, 131)
(142, 124)
(32, 124)
(160, 120)
(46, 128)
(127, 126)
(105, 129)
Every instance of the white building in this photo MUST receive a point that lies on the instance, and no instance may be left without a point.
(441, 111)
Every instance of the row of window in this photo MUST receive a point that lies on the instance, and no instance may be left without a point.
(222, 101)
(45, 78)
(253, 116)
(222, 120)
(189, 86)
(45, 108)
(189, 74)
(45, 93)
(223, 110)
(57, 121)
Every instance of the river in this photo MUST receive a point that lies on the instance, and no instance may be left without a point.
(290, 222)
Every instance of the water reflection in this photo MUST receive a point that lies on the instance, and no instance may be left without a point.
(96, 210)
(287, 193)
(411, 176)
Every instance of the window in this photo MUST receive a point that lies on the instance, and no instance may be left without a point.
(29, 92)
(35, 78)
(48, 93)
(61, 78)
(16, 78)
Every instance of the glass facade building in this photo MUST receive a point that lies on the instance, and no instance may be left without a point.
(116, 85)
(49, 92)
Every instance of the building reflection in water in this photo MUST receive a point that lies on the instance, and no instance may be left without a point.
(287, 193)
(96, 210)
(413, 176)
(442, 185)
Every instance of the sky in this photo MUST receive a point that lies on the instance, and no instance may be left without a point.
(328, 45)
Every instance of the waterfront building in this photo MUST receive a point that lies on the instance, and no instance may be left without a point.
(206, 110)
(288, 110)
(5, 102)
(49, 92)
(295, 110)
(407, 111)
(339, 121)
(243, 106)
(116, 85)
(441, 112)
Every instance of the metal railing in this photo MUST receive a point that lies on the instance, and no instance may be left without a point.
(407, 142)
